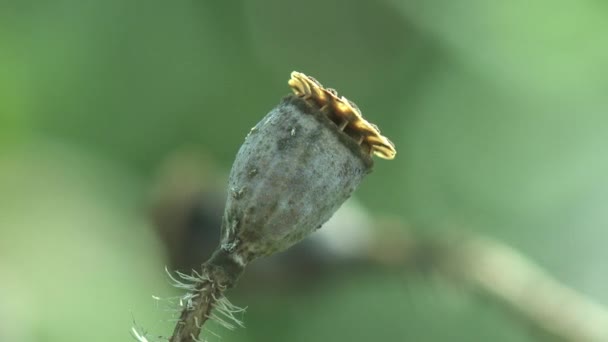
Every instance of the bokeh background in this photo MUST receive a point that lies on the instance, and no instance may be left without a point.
(498, 111)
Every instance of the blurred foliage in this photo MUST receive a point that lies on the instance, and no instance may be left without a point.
(497, 109)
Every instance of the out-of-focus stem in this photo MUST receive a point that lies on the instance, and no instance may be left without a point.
(493, 270)
(505, 274)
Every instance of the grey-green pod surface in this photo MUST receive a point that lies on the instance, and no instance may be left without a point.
(294, 170)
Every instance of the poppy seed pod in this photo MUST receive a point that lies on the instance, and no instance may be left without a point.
(294, 170)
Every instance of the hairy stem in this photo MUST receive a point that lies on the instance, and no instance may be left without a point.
(206, 292)
(196, 313)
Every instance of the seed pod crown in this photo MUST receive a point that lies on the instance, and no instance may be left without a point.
(344, 113)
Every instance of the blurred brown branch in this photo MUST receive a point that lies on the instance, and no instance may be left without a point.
(502, 272)
(493, 270)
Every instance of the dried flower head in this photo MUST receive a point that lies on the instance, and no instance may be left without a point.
(294, 170)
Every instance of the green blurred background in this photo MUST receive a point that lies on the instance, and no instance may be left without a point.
(498, 110)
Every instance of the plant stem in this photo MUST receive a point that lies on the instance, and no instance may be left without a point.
(196, 313)
(206, 292)
(192, 318)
